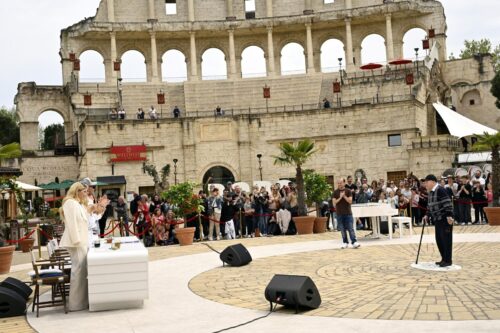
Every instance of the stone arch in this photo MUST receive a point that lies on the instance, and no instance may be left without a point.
(63, 114)
(373, 41)
(217, 60)
(257, 66)
(291, 64)
(330, 51)
(104, 53)
(180, 73)
(92, 69)
(132, 47)
(472, 94)
(134, 73)
(253, 42)
(414, 35)
(210, 166)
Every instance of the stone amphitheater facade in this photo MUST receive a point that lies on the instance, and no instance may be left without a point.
(351, 136)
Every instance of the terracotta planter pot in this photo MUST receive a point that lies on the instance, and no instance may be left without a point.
(493, 215)
(304, 224)
(320, 225)
(185, 236)
(26, 244)
(6, 254)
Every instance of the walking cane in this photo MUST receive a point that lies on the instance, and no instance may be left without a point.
(420, 244)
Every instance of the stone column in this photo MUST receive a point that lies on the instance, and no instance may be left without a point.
(349, 55)
(191, 10)
(232, 55)
(154, 58)
(308, 7)
(310, 53)
(389, 44)
(193, 57)
(348, 4)
(357, 55)
(270, 53)
(113, 56)
(229, 10)
(111, 10)
(152, 12)
(269, 8)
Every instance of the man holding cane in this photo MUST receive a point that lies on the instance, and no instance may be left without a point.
(440, 210)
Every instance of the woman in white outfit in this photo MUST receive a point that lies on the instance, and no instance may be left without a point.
(75, 239)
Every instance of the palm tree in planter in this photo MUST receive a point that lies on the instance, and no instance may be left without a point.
(185, 202)
(297, 155)
(492, 142)
(317, 190)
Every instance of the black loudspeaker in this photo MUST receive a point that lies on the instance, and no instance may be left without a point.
(11, 303)
(235, 255)
(18, 286)
(293, 291)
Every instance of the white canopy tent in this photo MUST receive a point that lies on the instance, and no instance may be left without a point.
(459, 125)
(27, 187)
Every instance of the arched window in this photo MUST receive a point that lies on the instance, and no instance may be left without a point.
(412, 40)
(133, 68)
(331, 51)
(253, 62)
(218, 175)
(173, 66)
(373, 49)
(293, 60)
(213, 65)
(50, 130)
(92, 67)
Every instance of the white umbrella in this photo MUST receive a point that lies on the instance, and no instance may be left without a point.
(27, 187)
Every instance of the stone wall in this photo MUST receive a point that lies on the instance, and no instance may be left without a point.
(45, 169)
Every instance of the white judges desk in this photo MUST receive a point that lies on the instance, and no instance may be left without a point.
(375, 210)
(118, 279)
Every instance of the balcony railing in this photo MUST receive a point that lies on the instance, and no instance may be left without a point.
(436, 142)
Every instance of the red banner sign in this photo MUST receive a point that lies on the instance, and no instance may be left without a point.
(128, 153)
(267, 92)
(161, 98)
(410, 79)
(336, 87)
(87, 100)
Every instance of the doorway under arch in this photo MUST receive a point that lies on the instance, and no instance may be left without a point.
(218, 175)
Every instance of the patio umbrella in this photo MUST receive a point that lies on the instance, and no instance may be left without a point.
(371, 66)
(401, 61)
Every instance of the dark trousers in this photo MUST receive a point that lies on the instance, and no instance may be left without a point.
(444, 239)
(249, 225)
(464, 212)
(416, 217)
(479, 213)
(194, 224)
(102, 226)
(205, 223)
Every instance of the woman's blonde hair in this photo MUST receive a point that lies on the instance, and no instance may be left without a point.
(72, 193)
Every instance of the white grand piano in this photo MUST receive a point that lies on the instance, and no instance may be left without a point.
(375, 210)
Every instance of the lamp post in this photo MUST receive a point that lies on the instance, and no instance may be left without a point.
(119, 89)
(259, 156)
(340, 70)
(416, 59)
(175, 170)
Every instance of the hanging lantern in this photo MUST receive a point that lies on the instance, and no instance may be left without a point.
(425, 44)
(161, 98)
(87, 100)
(267, 92)
(410, 79)
(432, 33)
(72, 56)
(76, 65)
(117, 66)
(336, 87)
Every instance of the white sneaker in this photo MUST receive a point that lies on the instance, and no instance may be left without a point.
(356, 245)
(344, 246)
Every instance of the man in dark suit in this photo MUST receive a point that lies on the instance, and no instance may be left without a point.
(440, 210)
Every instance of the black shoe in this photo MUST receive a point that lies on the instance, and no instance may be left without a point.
(445, 264)
(438, 263)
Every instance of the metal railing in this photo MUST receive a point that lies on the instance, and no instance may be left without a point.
(433, 142)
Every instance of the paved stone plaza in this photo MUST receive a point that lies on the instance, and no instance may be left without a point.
(369, 289)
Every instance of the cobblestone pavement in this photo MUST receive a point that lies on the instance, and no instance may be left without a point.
(374, 282)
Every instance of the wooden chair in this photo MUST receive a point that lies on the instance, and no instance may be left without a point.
(54, 277)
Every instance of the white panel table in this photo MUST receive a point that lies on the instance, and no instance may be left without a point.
(375, 210)
(118, 279)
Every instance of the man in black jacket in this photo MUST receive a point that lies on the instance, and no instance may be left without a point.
(440, 210)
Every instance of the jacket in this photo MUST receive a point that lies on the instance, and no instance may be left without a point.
(76, 225)
(439, 205)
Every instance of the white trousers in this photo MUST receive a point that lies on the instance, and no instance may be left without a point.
(230, 232)
(78, 290)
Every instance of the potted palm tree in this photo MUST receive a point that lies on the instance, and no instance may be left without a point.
(492, 142)
(317, 190)
(185, 202)
(297, 155)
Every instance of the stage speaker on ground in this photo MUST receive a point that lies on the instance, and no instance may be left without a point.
(235, 255)
(293, 291)
(12, 304)
(18, 286)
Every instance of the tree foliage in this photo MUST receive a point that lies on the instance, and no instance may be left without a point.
(473, 47)
(316, 187)
(11, 150)
(495, 88)
(52, 136)
(491, 142)
(9, 127)
(160, 179)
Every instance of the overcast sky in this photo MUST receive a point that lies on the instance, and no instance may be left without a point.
(29, 35)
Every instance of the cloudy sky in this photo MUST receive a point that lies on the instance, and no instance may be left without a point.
(29, 34)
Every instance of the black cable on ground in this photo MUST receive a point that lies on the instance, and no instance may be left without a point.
(211, 248)
(248, 322)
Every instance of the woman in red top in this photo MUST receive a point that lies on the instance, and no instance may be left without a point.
(142, 218)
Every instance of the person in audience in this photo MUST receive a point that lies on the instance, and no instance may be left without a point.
(489, 194)
(478, 201)
(142, 218)
(160, 233)
(249, 211)
(172, 225)
(215, 209)
(152, 113)
(113, 114)
(176, 112)
(122, 214)
(121, 114)
(464, 200)
(326, 103)
(140, 113)
(218, 111)
(416, 217)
